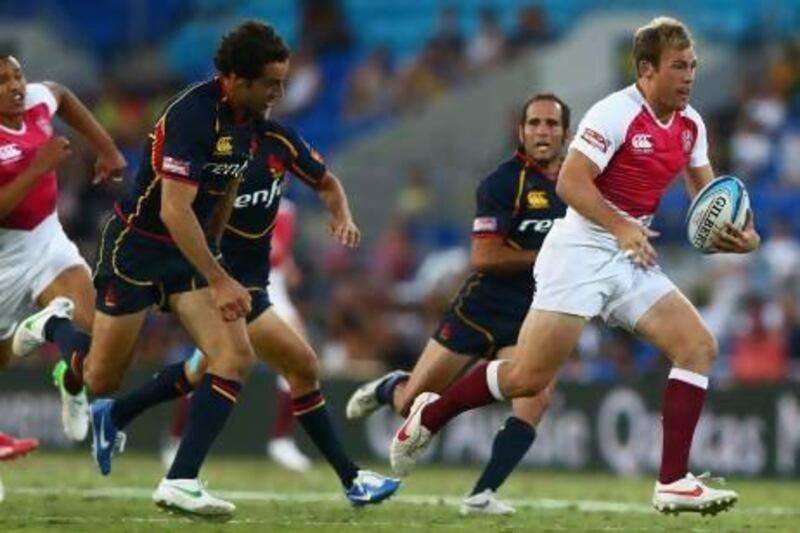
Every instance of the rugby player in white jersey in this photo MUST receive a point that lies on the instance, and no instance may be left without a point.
(41, 267)
(598, 262)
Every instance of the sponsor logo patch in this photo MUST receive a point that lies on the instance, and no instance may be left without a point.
(538, 200)
(10, 153)
(175, 166)
(224, 146)
(642, 143)
(595, 139)
(484, 224)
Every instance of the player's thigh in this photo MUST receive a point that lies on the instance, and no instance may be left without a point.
(225, 343)
(546, 340)
(436, 369)
(113, 339)
(76, 284)
(280, 346)
(675, 327)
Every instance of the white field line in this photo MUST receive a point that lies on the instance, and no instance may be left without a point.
(588, 506)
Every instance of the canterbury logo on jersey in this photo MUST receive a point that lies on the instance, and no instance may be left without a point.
(267, 197)
(538, 225)
(10, 153)
(642, 143)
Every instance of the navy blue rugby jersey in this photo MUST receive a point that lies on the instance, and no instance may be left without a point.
(199, 140)
(519, 204)
(280, 150)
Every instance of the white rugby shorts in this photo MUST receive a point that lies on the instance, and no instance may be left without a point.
(29, 262)
(581, 271)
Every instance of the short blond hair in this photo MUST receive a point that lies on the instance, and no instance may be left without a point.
(650, 41)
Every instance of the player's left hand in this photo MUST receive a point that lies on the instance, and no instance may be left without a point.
(737, 241)
(345, 232)
(109, 167)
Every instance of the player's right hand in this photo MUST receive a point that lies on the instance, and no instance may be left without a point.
(50, 155)
(230, 298)
(634, 241)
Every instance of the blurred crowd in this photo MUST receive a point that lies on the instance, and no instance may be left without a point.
(375, 308)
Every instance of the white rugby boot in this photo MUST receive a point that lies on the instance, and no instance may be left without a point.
(29, 334)
(412, 438)
(190, 496)
(364, 400)
(485, 502)
(693, 495)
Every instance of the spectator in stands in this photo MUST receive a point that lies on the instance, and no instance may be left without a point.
(427, 77)
(487, 48)
(759, 351)
(370, 87)
(323, 26)
(751, 150)
(781, 252)
(532, 29)
(448, 36)
(304, 85)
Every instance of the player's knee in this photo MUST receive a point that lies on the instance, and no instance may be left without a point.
(698, 353)
(304, 373)
(235, 363)
(706, 348)
(520, 383)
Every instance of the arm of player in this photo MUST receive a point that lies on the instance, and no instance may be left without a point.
(342, 227)
(229, 296)
(46, 159)
(730, 239)
(577, 188)
(110, 162)
(491, 254)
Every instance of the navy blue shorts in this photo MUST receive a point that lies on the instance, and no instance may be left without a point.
(134, 272)
(250, 267)
(483, 318)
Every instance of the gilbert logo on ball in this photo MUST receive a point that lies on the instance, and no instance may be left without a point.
(722, 201)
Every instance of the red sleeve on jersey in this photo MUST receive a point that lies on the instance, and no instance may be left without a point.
(282, 235)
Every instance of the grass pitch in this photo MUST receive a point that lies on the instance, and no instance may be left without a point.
(64, 492)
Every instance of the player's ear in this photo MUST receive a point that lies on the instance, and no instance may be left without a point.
(645, 69)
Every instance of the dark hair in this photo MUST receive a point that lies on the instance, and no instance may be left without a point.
(650, 41)
(247, 48)
(565, 111)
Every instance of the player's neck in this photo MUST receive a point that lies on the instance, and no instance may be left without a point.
(13, 122)
(662, 113)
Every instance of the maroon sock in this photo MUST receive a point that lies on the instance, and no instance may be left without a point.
(681, 410)
(284, 418)
(179, 418)
(467, 393)
(73, 377)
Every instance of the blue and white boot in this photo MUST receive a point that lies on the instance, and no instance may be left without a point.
(370, 488)
(106, 438)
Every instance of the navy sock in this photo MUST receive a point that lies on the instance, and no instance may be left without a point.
(385, 391)
(511, 444)
(310, 411)
(168, 384)
(212, 402)
(73, 344)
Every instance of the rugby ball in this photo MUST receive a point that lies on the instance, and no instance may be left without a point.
(723, 200)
